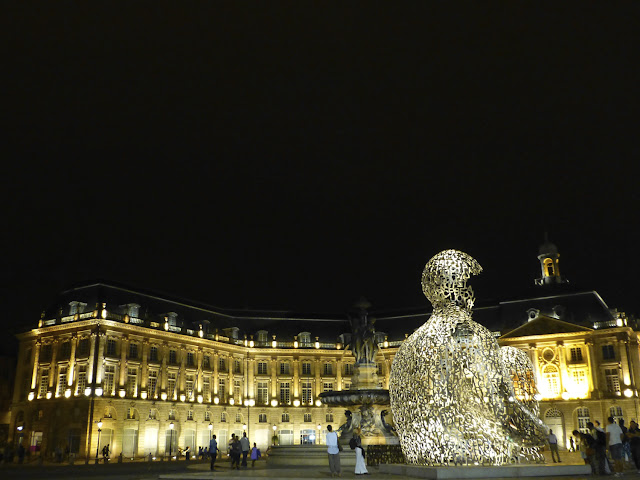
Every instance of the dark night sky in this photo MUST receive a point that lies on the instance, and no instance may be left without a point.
(300, 155)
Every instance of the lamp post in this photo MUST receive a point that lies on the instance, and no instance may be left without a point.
(171, 425)
(273, 438)
(249, 402)
(98, 446)
(210, 430)
(319, 427)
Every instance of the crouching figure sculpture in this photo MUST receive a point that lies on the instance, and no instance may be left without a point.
(451, 386)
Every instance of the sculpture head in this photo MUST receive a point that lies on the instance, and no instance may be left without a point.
(444, 279)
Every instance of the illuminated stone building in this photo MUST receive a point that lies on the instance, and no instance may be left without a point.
(161, 373)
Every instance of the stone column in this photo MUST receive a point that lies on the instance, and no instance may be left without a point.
(249, 371)
(182, 373)
(562, 363)
(215, 373)
(594, 377)
(36, 360)
(296, 379)
(124, 346)
(53, 377)
(72, 363)
(163, 369)
(317, 371)
(144, 370)
(230, 376)
(198, 386)
(624, 362)
(101, 339)
(274, 378)
(92, 353)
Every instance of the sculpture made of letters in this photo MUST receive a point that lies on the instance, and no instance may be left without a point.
(452, 395)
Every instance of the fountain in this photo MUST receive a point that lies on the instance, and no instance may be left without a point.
(366, 403)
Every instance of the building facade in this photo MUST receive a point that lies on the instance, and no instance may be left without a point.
(148, 375)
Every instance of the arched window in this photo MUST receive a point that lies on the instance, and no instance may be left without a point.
(616, 413)
(238, 417)
(551, 379)
(549, 268)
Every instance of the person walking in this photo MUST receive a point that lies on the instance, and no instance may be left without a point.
(553, 446)
(213, 452)
(236, 451)
(255, 455)
(614, 442)
(356, 441)
(600, 447)
(333, 450)
(246, 446)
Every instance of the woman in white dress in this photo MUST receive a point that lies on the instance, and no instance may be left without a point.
(361, 467)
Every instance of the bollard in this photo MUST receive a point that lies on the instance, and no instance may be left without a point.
(120, 458)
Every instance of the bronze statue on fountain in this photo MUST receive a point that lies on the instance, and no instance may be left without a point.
(368, 402)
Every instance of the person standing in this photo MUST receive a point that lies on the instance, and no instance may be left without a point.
(614, 441)
(246, 446)
(553, 446)
(255, 455)
(361, 467)
(333, 450)
(634, 442)
(213, 452)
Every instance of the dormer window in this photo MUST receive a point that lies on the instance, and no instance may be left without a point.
(262, 336)
(305, 339)
(76, 307)
(133, 310)
(172, 318)
(533, 313)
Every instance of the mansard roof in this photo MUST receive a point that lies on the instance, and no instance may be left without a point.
(569, 305)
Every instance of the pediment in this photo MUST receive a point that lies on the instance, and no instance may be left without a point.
(543, 325)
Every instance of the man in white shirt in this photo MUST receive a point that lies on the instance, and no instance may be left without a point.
(614, 442)
(553, 446)
(334, 452)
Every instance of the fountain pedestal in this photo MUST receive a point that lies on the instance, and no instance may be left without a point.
(366, 407)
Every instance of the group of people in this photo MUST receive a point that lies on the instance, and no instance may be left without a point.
(239, 447)
(334, 448)
(616, 439)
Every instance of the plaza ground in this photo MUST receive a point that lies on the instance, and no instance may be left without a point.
(195, 470)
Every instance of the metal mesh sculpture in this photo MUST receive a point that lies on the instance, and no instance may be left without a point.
(452, 395)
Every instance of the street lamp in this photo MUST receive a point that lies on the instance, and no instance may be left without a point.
(98, 446)
(319, 427)
(210, 429)
(171, 425)
(248, 402)
(273, 438)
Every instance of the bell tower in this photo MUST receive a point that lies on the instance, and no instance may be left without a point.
(549, 264)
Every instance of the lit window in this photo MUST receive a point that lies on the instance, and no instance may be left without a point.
(306, 392)
(285, 393)
(62, 381)
(307, 417)
(306, 368)
(263, 393)
(613, 380)
(189, 414)
(262, 368)
(583, 419)
(81, 384)
(207, 416)
(109, 379)
(151, 384)
(327, 386)
(171, 386)
(284, 368)
(238, 417)
(285, 418)
(329, 418)
(223, 417)
(551, 380)
(616, 413)
(262, 418)
(576, 354)
(608, 352)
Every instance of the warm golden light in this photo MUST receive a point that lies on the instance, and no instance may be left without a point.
(216, 400)
(296, 403)
(163, 395)
(200, 398)
(274, 403)
(143, 395)
(31, 396)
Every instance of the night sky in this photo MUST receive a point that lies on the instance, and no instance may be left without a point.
(301, 155)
